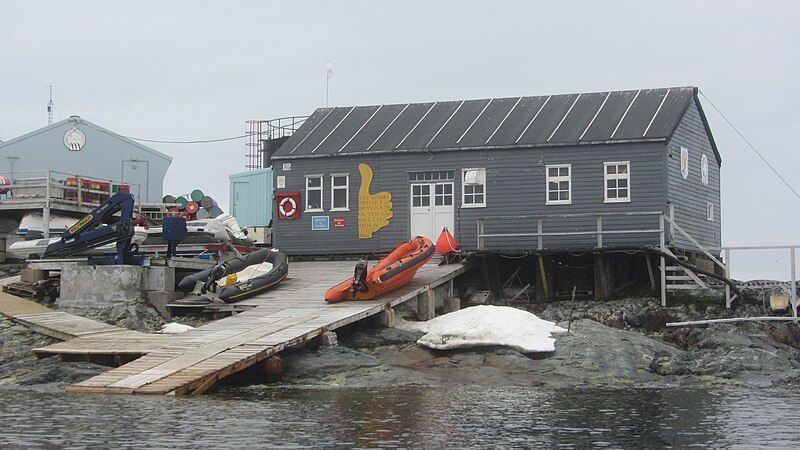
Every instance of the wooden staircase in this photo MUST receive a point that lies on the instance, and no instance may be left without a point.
(680, 278)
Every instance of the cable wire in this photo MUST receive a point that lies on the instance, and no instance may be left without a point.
(201, 141)
(774, 170)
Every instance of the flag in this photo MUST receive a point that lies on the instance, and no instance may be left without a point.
(329, 69)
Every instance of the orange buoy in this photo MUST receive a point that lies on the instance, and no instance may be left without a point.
(394, 271)
(446, 243)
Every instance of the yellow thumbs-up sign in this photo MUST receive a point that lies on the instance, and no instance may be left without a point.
(374, 210)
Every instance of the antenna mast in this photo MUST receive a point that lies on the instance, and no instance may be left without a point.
(50, 107)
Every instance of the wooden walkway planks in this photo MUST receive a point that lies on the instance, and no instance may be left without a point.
(292, 313)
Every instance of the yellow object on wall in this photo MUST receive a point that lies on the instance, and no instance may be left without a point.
(374, 210)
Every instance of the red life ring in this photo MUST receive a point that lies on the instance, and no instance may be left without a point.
(282, 207)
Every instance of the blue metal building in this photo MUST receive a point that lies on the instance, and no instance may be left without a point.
(251, 197)
(77, 146)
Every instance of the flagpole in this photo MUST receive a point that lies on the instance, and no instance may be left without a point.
(327, 84)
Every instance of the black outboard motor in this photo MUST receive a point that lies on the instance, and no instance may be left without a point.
(360, 277)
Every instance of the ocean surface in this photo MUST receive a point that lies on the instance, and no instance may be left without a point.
(416, 417)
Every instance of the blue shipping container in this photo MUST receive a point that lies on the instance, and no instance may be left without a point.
(251, 197)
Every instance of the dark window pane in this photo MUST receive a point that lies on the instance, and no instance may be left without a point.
(314, 182)
(479, 199)
(552, 172)
(612, 193)
(448, 200)
(564, 171)
(563, 185)
(339, 198)
(611, 184)
(622, 183)
(416, 189)
(553, 186)
(479, 189)
(416, 201)
(553, 196)
(623, 193)
(426, 201)
(314, 200)
(563, 195)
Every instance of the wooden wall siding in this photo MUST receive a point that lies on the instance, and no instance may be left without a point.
(689, 196)
(515, 186)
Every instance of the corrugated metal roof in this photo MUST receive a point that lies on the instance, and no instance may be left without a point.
(566, 119)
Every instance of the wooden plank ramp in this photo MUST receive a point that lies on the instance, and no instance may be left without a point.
(192, 362)
(57, 324)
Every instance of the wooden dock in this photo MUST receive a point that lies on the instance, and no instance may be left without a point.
(192, 362)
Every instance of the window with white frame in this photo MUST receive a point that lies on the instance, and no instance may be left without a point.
(709, 211)
(617, 181)
(473, 188)
(314, 193)
(559, 184)
(340, 192)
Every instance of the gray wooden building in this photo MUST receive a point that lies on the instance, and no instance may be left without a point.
(505, 175)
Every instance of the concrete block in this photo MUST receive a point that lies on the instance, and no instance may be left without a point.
(328, 339)
(101, 286)
(160, 299)
(387, 317)
(426, 305)
(32, 275)
(451, 304)
(160, 279)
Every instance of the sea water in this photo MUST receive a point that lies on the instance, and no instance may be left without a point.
(468, 417)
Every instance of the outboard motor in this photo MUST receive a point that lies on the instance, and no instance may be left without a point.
(360, 277)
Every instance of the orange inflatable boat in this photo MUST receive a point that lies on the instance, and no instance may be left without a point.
(392, 272)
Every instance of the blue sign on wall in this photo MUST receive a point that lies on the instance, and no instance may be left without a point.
(320, 223)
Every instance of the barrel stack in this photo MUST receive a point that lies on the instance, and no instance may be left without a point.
(192, 206)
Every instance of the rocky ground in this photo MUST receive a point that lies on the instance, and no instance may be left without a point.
(616, 343)
(18, 366)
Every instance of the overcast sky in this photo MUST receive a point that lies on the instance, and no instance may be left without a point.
(198, 70)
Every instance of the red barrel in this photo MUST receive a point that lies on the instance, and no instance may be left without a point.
(192, 207)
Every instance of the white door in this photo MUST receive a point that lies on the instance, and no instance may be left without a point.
(431, 209)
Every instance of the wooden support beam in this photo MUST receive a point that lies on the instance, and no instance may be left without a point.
(541, 282)
(451, 304)
(650, 272)
(426, 305)
(387, 317)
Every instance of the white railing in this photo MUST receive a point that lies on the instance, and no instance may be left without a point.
(598, 232)
(50, 188)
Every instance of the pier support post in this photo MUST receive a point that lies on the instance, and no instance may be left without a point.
(603, 281)
(451, 304)
(543, 279)
(387, 317)
(426, 305)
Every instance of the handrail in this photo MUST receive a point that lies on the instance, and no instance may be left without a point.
(599, 232)
(693, 241)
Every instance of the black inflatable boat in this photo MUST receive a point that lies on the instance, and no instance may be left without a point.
(242, 289)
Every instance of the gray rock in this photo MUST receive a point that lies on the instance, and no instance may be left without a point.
(380, 336)
(325, 362)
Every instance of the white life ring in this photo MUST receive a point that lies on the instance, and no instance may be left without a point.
(292, 207)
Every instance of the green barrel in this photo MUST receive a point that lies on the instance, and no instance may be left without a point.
(196, 195)
(168, 199)
(181, 201)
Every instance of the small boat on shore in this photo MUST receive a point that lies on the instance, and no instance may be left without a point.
(394, 271)
(241, 289)
(36, 248)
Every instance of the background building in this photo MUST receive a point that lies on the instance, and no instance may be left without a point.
(77, 146)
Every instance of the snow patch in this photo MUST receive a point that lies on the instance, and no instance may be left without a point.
(175, 328)
(487, 326)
